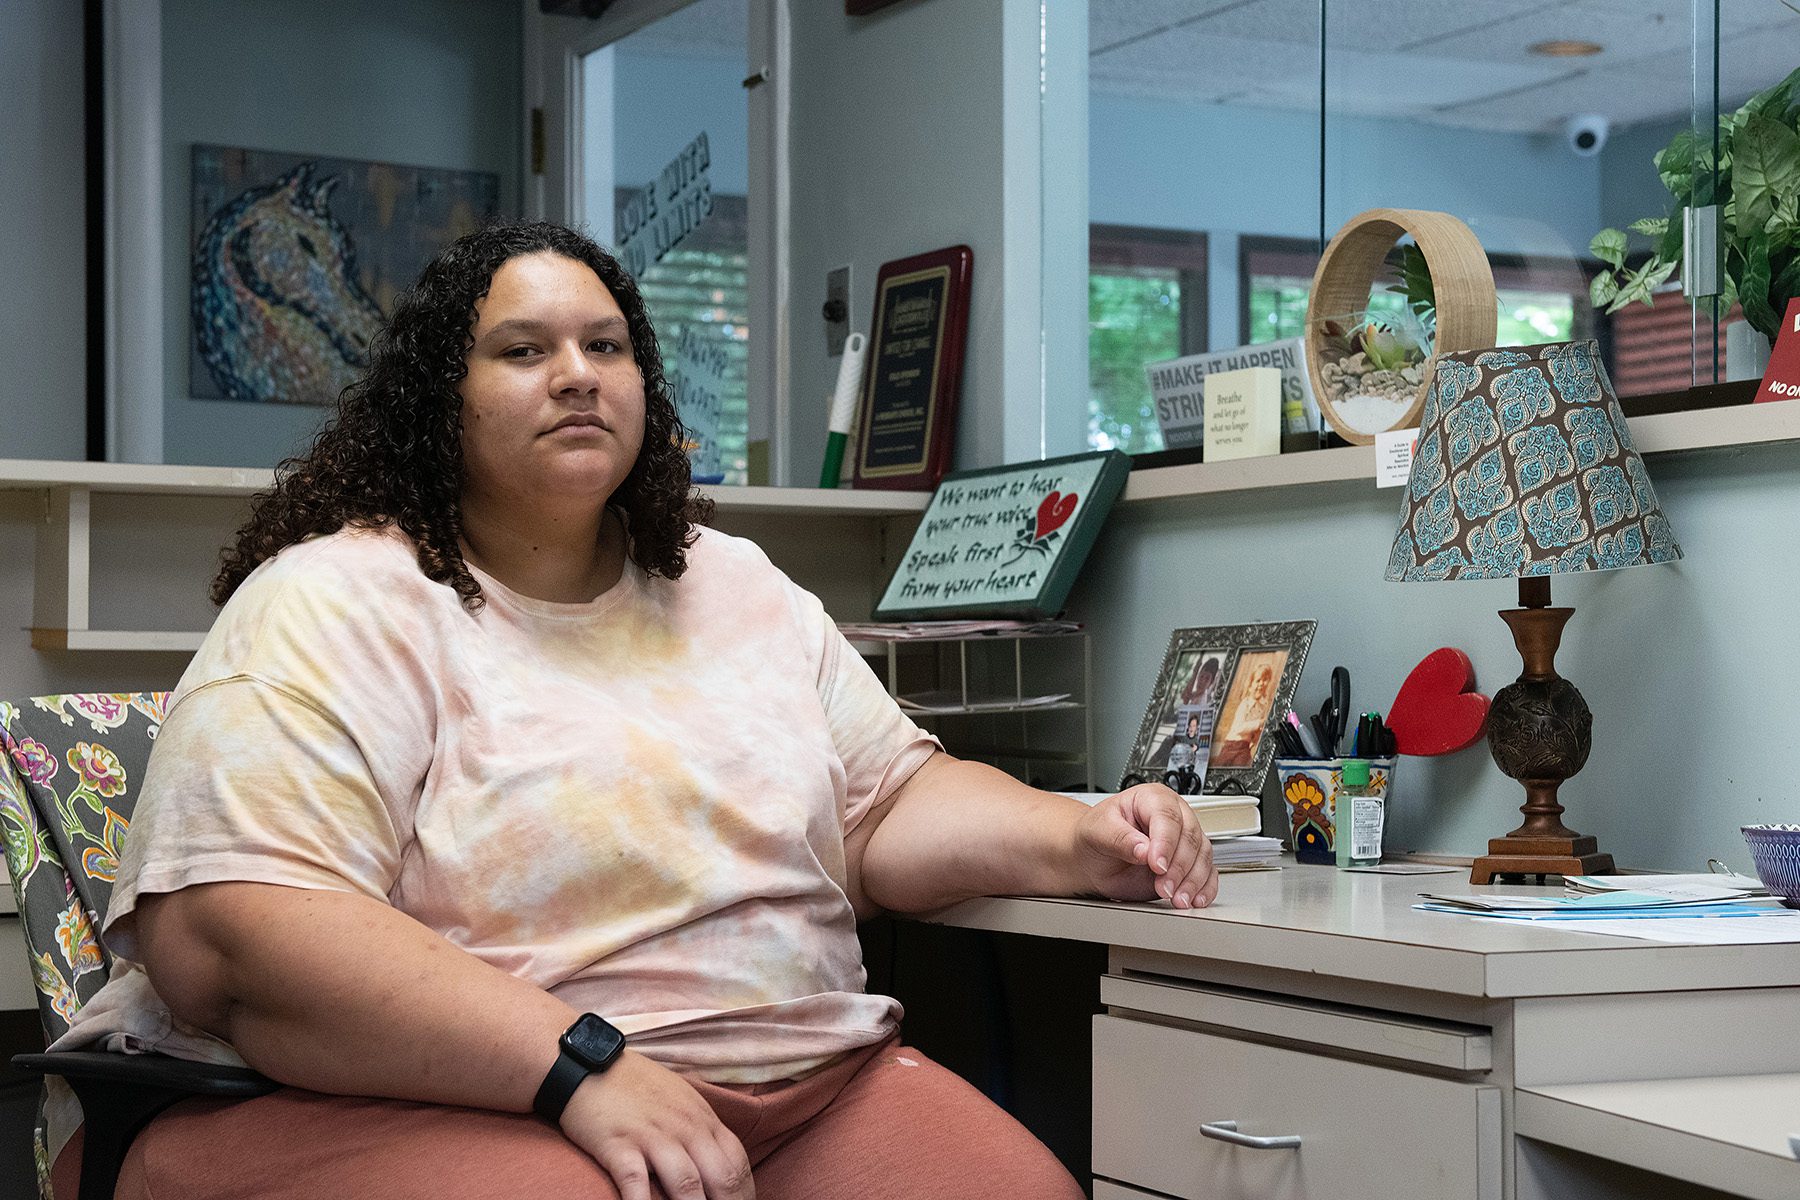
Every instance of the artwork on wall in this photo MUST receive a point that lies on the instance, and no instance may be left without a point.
(296, 259)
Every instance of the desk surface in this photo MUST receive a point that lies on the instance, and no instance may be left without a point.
(1708, 1131)
(1363, 927)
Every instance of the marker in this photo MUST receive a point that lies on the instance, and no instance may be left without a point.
(1306, 738)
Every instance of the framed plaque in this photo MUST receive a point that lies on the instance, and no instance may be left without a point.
(907, 425)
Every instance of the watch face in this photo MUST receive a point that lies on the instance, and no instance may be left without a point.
(594, 1041)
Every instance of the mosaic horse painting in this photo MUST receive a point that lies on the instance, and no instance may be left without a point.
(278, 312)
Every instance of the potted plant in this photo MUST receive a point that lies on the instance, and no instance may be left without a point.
(1756, 184)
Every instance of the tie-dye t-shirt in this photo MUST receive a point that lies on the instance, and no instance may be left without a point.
(637, 803)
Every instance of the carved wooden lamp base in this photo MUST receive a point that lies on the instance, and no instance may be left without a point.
(1540, 731)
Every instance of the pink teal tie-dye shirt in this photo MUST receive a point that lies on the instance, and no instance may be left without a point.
(637, 803)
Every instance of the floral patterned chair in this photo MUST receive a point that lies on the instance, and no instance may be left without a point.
(65, 809)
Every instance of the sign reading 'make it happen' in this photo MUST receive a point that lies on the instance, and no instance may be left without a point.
(1781, 381)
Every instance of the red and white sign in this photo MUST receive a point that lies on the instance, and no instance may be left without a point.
(1782, 380)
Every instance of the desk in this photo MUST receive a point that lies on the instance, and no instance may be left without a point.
(1422, 1054)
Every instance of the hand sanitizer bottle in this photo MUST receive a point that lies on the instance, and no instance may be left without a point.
(1359, 816)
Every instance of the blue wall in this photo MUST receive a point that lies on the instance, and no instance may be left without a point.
(662, 102)
(423, 82)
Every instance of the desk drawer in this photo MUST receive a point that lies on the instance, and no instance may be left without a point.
(1103, 1190)
(1366, 1133)
(1360, 1031)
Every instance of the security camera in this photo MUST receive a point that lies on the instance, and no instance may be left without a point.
(1586, 133)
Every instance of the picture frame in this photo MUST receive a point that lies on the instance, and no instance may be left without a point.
(1246, 675)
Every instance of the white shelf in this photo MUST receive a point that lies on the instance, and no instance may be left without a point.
(184, 642)
(62, 582)
(817, 502)
(23, 474)
(1700, 429)
(19, 474)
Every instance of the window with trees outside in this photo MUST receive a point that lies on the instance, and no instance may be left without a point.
(1146, 303)
(1540, 300)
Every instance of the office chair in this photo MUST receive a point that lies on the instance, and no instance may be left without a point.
(66, 796)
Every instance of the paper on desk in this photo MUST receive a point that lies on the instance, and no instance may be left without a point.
(1686, 912)
(1405, 868)
(1668, 896)
(951, 701)
(1778, 925)
(1588, 884)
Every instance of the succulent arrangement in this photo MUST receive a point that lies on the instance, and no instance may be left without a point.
(1755, 180)
(1377, 358)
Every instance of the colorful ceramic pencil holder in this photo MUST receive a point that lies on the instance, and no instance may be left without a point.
(1310, 787)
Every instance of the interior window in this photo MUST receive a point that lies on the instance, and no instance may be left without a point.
(1146, 303)
(665, 133)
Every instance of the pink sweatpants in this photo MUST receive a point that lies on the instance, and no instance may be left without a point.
(884, 1124)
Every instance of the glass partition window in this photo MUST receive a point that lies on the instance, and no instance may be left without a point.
(1262, 126)
(665, 131)
(1146, 303)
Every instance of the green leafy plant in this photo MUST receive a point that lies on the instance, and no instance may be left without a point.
(1757, 184)
(1415, 285)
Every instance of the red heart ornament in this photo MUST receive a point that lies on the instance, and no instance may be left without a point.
(1052, 512)
(1438, 710)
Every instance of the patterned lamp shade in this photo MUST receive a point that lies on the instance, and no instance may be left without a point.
(1524, 466)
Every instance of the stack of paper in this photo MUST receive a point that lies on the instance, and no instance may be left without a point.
(951, 701)
(1587, 885)
(1218, 816)
(1249, 853)
(1684, 899)
(906, 631)
(1682, 913)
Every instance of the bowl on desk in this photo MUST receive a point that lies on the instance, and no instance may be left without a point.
(1776, 851)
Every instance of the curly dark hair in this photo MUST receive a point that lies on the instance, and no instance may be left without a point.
(393, 453)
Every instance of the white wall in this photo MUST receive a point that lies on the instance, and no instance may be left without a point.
(422, 82)
(43, 318)
(913, 129)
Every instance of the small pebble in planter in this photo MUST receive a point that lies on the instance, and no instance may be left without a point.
(1371, 392)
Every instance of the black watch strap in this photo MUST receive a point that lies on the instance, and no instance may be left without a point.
(559, 1086)
(587, 1047)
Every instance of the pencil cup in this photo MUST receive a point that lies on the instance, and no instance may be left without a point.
(1310, 787)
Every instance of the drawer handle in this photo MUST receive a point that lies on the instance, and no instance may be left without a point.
(1227, 1131)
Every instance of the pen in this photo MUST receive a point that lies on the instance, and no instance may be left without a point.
(1307, 742)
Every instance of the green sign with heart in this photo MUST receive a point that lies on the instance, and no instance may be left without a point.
(1005, 541)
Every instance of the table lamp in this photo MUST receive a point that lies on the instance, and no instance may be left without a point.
(1524, 469)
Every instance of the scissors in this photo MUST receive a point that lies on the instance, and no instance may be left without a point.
(1340, 703)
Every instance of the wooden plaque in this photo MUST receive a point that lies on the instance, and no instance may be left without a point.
(907, 426)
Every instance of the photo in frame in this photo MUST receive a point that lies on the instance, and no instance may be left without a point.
(1228, 684)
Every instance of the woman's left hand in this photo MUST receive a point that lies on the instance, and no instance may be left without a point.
(1143, 843)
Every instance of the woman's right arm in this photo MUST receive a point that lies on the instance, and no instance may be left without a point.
(339, 992)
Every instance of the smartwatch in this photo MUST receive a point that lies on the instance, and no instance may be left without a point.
(587, 1047)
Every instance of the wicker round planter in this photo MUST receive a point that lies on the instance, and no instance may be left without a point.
(1460, 278)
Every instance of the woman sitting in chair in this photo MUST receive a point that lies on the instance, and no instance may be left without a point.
(426, 839)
